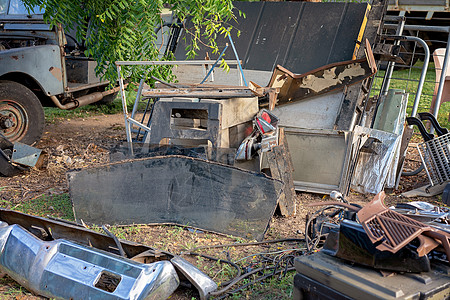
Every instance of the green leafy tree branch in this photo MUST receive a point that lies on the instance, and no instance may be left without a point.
(121, 30)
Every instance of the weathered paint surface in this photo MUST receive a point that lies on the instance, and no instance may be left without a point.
(330, 78)
(37, 62)
(56, 72)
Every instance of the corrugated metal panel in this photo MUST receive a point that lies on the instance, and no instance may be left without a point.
(300, 36)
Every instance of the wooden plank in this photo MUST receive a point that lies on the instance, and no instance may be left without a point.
(283, 141)
(287, 174)
(238, 110)
(280, 165)
(198, 93)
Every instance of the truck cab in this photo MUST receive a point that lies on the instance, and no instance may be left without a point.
(41, 65)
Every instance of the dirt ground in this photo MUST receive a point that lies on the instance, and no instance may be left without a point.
(84, 142)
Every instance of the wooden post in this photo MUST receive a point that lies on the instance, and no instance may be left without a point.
(280, 164)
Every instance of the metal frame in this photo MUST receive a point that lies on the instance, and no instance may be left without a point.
(435, 156)
(321, 187)
(129, 120)
(385, 86)
(396, 5)
(443, 29)
(422, 74)
(390, 67)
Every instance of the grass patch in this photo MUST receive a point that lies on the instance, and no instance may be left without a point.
(58, 206)
(53, 114)
(400, 81)
(273, 288)
(9, 289)
(123, 232)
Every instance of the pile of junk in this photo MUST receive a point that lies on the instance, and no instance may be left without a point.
(400, 252)
(225, 157)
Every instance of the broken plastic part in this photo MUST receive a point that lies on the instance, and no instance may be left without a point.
(391, 231)
(351, 243)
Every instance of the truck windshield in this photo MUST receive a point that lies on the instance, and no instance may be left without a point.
(3, 6)
(16, 7)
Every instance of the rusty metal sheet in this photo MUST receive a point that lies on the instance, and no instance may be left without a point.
(178, 190)
(26, 155)
(47, 229)
(294, 87)
(24, 60)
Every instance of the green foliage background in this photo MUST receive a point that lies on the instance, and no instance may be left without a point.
(124, 30)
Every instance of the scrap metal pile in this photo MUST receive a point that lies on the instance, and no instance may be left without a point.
(223, 158)
(393, 239)
(60, 259)
(375, 243)
(64, 260)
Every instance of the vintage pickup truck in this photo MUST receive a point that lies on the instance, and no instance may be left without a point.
(41, 65)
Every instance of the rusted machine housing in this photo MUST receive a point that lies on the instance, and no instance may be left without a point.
(222, 122)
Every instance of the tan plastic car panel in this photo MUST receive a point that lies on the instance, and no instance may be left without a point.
(392, 231)
(426, 245)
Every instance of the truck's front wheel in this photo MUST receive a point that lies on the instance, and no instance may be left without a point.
(21, 113)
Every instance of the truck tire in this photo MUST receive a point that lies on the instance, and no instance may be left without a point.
(21, 113)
